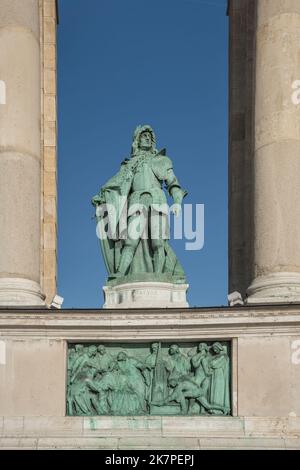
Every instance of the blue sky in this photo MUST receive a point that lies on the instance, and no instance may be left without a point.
(120, 64)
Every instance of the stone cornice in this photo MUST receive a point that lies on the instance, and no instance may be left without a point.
(159, 323)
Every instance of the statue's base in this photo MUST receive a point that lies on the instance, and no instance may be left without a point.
(145, 294)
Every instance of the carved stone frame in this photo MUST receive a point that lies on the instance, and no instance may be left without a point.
(233, 362)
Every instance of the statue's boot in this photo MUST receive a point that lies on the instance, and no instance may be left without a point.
(126, 259)
(159, 259)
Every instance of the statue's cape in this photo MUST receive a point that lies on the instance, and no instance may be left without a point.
(114, 193)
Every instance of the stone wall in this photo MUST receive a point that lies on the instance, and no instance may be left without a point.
(149, 433)
(265, 378)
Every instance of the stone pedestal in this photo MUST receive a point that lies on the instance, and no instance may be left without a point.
(145, 294)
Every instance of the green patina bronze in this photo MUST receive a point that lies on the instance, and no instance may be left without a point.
(155, 379)
(136, 195)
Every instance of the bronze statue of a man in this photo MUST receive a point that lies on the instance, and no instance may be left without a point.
(137, 192)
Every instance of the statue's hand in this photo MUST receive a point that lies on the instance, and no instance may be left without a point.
(176, 209)
(97, 200)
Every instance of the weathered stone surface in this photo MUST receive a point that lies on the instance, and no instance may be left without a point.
(49, 130)
(158, 443)
(49, 108)
(50, 209)
(50, 159)
(55, 432)
(50, 184)
(118, 426)
(50, 8)
(201, 426)
(49, 30)
(260, 360)
(12, 443)
(48, 426)
(50, 133)
(265, 378)
(24, 13)
(244, 443)
(76, 443)
(34, 378)
(49, 56)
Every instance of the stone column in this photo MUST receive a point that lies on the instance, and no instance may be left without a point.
(20, 154)
(276, 244)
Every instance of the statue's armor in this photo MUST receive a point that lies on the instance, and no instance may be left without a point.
(149, 173)
(144, 178)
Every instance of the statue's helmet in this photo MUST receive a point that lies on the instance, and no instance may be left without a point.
(136, 138)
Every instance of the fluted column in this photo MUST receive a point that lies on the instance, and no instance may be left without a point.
(20, 154)
(276, 180)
